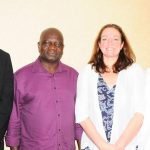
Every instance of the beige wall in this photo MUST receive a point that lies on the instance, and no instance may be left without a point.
(79, 20)
(21, 22)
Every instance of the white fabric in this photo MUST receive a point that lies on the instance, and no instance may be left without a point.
(145, 131)
(127, 101)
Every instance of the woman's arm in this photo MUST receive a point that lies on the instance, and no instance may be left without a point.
(130, 131)
(92, 133)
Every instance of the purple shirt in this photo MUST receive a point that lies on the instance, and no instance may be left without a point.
(43, 115)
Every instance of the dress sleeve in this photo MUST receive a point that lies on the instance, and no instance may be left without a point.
(147, 87)
(82, 103)
(139, 87)
(144, 133)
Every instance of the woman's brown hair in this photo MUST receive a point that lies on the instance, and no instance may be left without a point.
(126, 55)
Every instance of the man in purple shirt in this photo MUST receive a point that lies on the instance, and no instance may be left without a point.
(43, 115)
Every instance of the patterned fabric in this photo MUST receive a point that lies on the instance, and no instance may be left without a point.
(106, 104)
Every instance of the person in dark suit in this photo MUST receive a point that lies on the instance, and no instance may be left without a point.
(6, 93)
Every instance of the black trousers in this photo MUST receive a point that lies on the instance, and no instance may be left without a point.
(2, 145)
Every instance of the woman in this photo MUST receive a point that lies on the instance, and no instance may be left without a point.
(109, 106)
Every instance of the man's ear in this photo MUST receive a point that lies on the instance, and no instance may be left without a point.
(38, 46)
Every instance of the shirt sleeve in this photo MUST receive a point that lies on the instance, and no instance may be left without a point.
(81, 109)
(13, 132)
(78, 132)
(6, 95)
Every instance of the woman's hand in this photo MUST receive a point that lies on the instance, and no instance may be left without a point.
(108, 146)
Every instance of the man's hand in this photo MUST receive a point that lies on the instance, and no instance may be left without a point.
(14, 148)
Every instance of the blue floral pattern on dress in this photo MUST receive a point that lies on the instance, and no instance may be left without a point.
(106, 104)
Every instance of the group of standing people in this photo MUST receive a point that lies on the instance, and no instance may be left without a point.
(46, 105)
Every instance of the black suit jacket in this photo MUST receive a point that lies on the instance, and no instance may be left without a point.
(6, 91)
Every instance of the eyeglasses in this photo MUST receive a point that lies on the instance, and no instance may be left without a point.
(56, 44)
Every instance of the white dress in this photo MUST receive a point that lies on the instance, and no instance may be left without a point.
(127, 101)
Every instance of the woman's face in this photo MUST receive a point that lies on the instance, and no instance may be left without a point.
(110, 43)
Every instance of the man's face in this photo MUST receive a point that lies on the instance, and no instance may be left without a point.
(51, 47)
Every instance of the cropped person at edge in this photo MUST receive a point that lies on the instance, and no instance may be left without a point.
(6, 93)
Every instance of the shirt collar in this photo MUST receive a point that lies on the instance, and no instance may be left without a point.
(38, 67)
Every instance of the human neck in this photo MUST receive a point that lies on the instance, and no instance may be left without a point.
(50, 67)
(109, 62)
